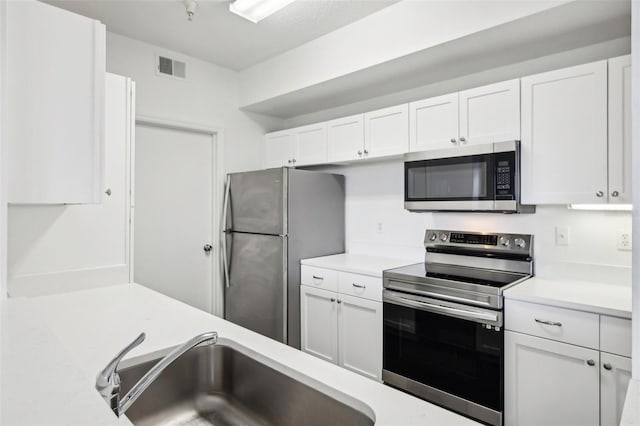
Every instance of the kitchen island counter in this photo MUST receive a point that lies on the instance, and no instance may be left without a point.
(53, 347)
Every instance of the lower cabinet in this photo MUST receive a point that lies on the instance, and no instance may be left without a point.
(615, 373)
(342, 329)
(549, 383)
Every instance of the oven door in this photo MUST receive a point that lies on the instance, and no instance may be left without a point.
(447, 353)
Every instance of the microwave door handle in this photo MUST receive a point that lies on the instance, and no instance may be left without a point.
(461, 313)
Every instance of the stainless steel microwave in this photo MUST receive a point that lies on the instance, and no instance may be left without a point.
(475, 178)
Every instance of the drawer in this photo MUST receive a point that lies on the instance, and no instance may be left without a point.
(319, 277)
(363, 286)
(563, 325)
(615, 335)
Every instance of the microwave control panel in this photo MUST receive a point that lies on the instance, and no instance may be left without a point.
(505, 170)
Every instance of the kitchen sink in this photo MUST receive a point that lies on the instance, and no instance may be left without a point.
(220, 385)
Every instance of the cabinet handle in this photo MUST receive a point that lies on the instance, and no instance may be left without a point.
(315, 277)
(358, 285)
(108, 192)
(359, 152)
(591, 362)
(599, 194)
(463, 139)
(615, 193)
(333, 299)
(607, 366)
(289, 161)
(339, 301)
(556, 324)
(453, 140)
(366, 152)
(293, 161)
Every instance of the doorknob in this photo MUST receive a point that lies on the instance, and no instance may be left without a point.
(207, 248)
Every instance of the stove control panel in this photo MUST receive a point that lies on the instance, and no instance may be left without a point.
(478, 241)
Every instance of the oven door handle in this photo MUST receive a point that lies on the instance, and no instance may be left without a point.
(443, 296)
(438, 309)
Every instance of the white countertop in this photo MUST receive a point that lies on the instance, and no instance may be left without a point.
(52, 348)
(357, 263)
(600, 298)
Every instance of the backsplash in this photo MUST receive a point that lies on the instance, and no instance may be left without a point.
(377, 224)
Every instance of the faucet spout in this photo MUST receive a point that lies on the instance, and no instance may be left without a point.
(108, 380)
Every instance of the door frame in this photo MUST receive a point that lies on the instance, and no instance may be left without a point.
(218, 179)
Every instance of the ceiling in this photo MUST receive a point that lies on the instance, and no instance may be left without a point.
(217, 35)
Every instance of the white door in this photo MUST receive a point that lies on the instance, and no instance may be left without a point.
(564, 136)
(615, 373)
(386, 131)
(174, 214)
(278, 149)
(360, 336)
(490, 113)
(346, 138)
(433, 123)
(319, 323)
(310, 144)
(549, 383)
(620, 130)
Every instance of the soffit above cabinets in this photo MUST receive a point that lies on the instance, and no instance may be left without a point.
(215, 34)
(561, 27)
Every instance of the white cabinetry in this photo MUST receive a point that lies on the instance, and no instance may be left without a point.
(564, 366)
(296, 147)
(55, 105)
(346, 138)
(564, 136)
(341, 322)
(481, 115)
(620, 130)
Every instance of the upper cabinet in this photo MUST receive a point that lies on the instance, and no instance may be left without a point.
(386, 131)
(620, 130)
(346, 138)
(480, 115)
(55, 105)
(296, 147)
(564, 136)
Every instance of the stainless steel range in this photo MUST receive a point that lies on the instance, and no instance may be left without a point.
(443, 319)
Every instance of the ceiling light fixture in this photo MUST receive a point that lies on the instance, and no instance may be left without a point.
(257, 10)
(190, 7)
(602, 207)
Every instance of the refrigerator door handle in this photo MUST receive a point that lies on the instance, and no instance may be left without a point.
(225, 208)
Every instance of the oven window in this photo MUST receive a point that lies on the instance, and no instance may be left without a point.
(456, 356)
(450, 179)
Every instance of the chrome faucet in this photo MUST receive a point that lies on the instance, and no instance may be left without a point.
(108, 380)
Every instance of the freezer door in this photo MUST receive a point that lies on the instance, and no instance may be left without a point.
(256, 296)
(257, 202)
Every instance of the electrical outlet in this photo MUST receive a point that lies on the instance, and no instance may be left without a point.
(379, 228)
(562, 235)
(624, 241)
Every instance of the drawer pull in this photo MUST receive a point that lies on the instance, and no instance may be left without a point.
(359, 285)
(591, 362)
(315, 277)
(556, 324)
(333, 299)
(607, 366)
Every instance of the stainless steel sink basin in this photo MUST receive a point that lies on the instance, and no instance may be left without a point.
(219, 385)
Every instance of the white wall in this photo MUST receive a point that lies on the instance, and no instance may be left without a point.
(208, 97)
(635, 134)
(375, 192)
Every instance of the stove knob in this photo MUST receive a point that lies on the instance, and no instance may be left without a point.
(443, 237)
(433, 236)
(520, 242)
(505, 242)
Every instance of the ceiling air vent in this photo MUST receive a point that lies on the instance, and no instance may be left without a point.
(171, 67)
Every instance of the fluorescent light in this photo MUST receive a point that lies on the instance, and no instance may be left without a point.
(606, 207)
(257, 10)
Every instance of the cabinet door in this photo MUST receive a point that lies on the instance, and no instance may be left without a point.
(614, 379)
(360, 336)
(278, 149)
(310, 144)
(346, 138)
(55, 105)
(319, 323)
(433, 123)
(490, 113)
(620, 130)
(564, 136)
(386, 131)
(549, 383)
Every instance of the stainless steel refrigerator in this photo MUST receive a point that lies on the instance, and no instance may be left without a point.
(272, 219)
